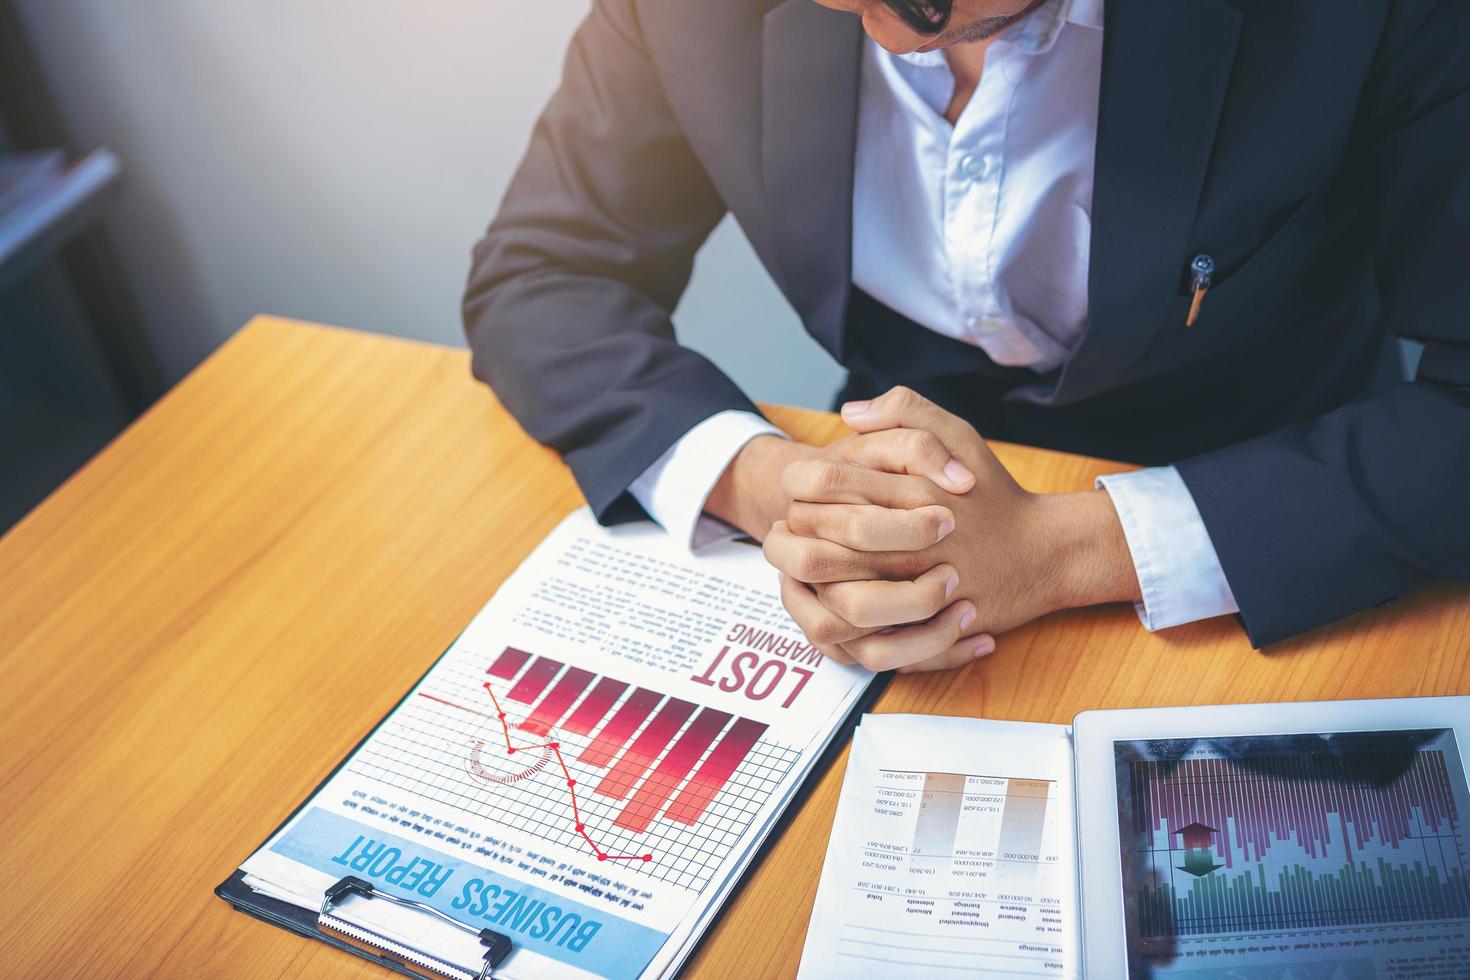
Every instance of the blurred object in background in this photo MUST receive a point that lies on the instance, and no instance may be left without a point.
(74, 365)
(45, 203)
(24, 177)
(313, 160)
(335, 162)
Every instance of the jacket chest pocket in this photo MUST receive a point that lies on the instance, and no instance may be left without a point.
(1298, 273)
(1257, 282)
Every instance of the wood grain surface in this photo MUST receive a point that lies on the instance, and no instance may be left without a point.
(201, 622)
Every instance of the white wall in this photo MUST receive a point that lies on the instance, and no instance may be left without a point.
(335, 161)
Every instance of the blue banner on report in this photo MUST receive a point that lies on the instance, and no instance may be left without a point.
(533, 918)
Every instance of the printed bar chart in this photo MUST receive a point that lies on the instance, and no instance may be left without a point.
(635, 761)
(534, 680)
(568, 688)
(615, 733)
(681, 779)
(711, 777)
(669, 773)
(509, 663)
(650, 744)
(589, 713)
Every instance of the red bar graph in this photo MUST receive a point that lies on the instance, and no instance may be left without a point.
(616, 731)
(636, 774)
(563, 693)
(707, 782)
(668, 774)
(534, 680)
(509, 663)
(636, 759)
(589, 713)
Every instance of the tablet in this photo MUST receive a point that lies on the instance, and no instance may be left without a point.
(1324, 839)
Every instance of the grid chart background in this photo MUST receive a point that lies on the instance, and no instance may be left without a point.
(425, 749)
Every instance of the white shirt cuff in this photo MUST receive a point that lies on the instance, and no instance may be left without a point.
(1179, 572)
(675, 487)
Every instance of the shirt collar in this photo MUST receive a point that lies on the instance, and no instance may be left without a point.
(1087, 13)
(1035, 33)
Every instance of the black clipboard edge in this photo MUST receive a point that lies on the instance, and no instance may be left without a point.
(302, 921)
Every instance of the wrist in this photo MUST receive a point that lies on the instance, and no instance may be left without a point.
(1087, 552)
(748, 494)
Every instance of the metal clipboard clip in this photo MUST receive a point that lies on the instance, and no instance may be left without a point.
(431, 966)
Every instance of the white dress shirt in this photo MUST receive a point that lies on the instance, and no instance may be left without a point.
(980, 231)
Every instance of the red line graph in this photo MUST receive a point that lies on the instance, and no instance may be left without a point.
(555, 747)
(452, 704)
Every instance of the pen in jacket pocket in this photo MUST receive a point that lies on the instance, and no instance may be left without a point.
(1203, 268)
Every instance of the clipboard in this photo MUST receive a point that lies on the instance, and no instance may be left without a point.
(416, 963)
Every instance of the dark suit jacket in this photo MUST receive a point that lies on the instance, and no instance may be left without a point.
(1319, 151)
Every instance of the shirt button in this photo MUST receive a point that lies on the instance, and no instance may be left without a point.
(973, 166)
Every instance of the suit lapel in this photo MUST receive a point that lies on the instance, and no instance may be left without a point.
(1165, 71)
(809, 90)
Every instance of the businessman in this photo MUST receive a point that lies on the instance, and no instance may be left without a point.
(1178, 234)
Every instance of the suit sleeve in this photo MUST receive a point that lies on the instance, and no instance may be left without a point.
(1359, 506)
(571, 290)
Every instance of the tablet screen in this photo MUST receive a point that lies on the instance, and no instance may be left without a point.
(1340, 855)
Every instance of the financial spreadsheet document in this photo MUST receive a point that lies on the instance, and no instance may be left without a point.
(951, 851)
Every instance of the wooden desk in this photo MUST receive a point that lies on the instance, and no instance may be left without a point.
(204, 620)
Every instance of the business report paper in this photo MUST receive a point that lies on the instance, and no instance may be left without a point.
(588, 768)
(951, 854)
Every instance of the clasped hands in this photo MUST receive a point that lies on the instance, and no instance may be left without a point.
(909, 546)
